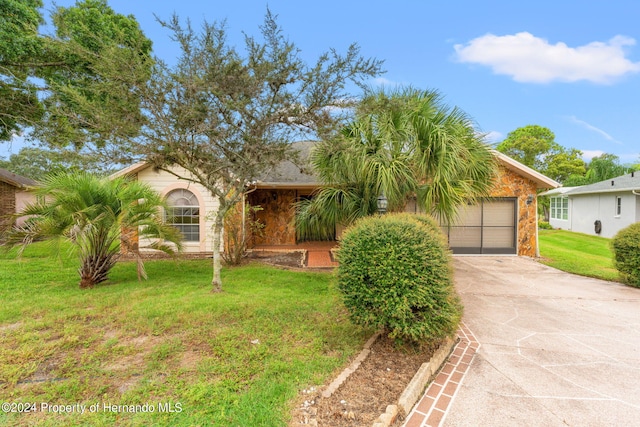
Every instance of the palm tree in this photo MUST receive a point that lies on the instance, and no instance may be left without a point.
(401, 145)
(96, 215)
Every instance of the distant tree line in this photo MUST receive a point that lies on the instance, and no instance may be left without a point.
(535, 146)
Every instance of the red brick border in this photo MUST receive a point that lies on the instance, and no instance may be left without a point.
(432, 408)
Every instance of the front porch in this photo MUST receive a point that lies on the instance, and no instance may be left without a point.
(312, 254)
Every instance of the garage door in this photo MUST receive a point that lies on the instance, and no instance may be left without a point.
(488, 227)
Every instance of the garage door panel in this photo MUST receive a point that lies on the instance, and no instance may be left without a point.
(498, 237)
(470, 216)
(498, 214)
(465, 237)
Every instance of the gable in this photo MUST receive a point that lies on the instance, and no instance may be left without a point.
(541, 181)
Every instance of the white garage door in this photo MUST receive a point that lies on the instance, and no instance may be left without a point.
(488, 227)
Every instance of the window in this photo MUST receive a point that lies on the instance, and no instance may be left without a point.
(184, 213)
(560, 208)
(618, 205)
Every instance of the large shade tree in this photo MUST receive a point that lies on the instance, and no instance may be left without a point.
(96, 215)
(402, 144)
(77, 85)
(225, 116)
(535, 146)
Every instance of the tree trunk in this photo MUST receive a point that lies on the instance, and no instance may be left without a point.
(94, 269)
(217, 264)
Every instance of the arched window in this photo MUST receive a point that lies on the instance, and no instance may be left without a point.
(184, 213)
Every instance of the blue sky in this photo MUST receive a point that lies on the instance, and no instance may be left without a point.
(572, 66)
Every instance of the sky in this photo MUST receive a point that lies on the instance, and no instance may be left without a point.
(571, 66)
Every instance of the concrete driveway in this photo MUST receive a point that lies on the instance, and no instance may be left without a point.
(555, 349)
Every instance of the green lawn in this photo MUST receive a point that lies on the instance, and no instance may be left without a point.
(238, 358)
(578, 253)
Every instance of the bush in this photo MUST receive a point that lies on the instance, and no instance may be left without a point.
(626, 253)
(544, 225)
(395, 273)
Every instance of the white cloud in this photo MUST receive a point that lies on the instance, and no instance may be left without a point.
(592, 128)
(531, 59)
(493, 136)
(633, 158)
(587, 155)
(381, 81)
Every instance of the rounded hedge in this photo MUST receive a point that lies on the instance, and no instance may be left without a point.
(626, 253)
(395, 273)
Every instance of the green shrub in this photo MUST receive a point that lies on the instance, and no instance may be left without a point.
(626, 253)
(544, 225)
(395, 273)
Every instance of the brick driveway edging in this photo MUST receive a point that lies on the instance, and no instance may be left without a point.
(432, 409)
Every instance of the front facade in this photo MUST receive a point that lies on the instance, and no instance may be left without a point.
(600, 209)
(504, 223)
(190, 204)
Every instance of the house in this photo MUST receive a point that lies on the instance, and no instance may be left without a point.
(190, 203)
(14, 194)
(507, 221)
(600, 209)
(504, 223)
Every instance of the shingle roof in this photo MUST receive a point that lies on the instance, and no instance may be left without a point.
(626, 182)
(288, 172)
(16, 180)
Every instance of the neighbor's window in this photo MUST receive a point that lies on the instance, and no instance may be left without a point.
(184, 213)
(618, 205)
(560, 208)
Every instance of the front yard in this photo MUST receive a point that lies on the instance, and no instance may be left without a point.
(578, 253)
(165, 351)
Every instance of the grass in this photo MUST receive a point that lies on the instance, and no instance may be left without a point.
(578, 253)
(238, 358)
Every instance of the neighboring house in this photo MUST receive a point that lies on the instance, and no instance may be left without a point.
(505, 223)
(14, 194)
(601, 209)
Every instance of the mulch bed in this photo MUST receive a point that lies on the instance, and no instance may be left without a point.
(377, 383)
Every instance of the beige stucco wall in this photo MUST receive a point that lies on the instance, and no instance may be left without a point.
(23, 198)
(164, 182)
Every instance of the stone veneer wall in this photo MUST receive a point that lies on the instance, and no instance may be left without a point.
(7, 202)
(510, 184)
(277, 214)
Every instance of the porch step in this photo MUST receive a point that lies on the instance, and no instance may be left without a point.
(320, 259)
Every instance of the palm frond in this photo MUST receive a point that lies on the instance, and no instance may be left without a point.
(402, 144)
